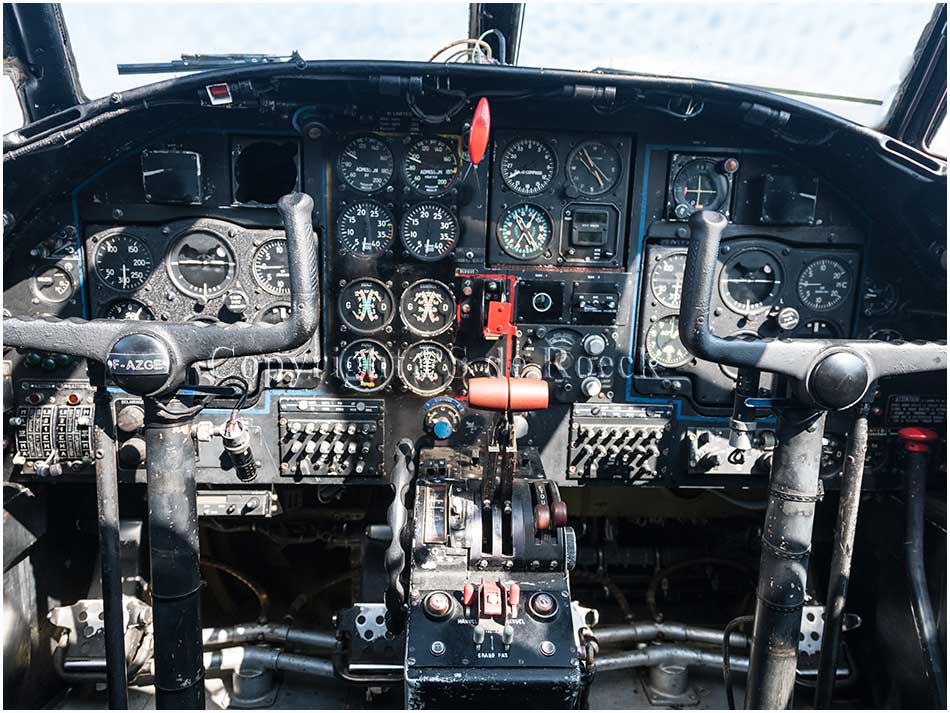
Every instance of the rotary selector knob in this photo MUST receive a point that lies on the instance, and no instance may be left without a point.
(594, 344)
(591, 387)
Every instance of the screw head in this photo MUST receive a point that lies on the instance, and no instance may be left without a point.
(437, 648)
(547, 648)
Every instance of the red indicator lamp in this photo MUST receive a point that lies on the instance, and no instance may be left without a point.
(478, 134)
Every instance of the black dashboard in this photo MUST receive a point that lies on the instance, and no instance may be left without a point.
(559, 256)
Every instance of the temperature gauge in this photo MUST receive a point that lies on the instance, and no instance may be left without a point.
(427, 307)
(365, 365)
(366, 305)
(426, 368)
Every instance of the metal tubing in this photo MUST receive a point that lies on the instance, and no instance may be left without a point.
(667, 631)
(840, 575)
(783, 568)
(669, 654)
(173, 542)
(927, 632)
(107, 499)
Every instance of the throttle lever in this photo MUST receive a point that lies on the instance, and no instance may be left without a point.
(834, 374)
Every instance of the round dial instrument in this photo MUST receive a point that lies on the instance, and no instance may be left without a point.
(53, 284)
(365, 229)
(524, 231)
(366, 305)
(201, 264)
(750, 281)
(593, 168)
(664, 345)
(366, 365)
(528, 166)
(666, 280)
(366, 164)
(277, 313)
(480, 368)
(123, 262)
(270, 269)
(429, 231)
(426, 368)
(126, 309)
(427, 307)
(699, 185)
(824, 284)
(431, 166)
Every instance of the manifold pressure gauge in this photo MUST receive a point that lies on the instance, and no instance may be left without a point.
(365, 229)
(365, 365)
(366, 305)
(426, 368)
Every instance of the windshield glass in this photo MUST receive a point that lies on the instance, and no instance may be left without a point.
(846, 58)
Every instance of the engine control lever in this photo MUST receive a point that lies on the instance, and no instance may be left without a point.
(151, 359)
(824, 375)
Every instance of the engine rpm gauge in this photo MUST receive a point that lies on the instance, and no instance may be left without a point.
(524, 231)
(666, 280)
(664, 345)
(270, 268)
(365, 229)
(431, 166)
(123, 262)
(201, 264)
(366, 365)
(824, 284)
(126, 309)
(366, 305)
(528, 166)
(593, 168)
(366, 164)
(426, 368)
(427, 307)
(429, 231)
(750, 281)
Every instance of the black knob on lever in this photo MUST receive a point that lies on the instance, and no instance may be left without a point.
(831, 373)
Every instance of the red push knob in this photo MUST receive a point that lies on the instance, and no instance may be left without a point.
(917, 439)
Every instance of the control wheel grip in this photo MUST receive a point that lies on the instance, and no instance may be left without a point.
(506, 393)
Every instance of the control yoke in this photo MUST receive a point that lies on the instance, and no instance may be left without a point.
(151, 358)
(834, 374)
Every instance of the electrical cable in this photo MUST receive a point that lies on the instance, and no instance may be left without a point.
(726, 665)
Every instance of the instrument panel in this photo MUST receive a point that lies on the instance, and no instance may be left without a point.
(559, 257)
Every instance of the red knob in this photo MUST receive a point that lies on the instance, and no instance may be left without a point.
(542, 517)
(468, 593)
(514, 594)
(559, 513)
(917, 439)
(478, 134)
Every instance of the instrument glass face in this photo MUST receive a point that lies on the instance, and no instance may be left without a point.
(429, 231)
(431, 166)
(366, 366)
(524, 231)
(365, 229)
(593, 168)
(202, 264)
(366, 305)
(528, 166)
(427, 308)
(824, 284)
(426, 368)
(750, 281)
(123, 262)
(126, 309)
(366, 164)
(666, 280)
(270, 268)
(664, 345)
